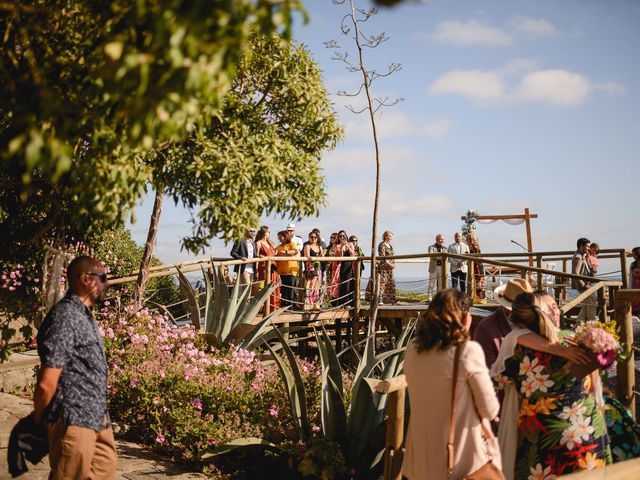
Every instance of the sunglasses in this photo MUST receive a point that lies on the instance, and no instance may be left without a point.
(312, 236)
(101, 276)
(353, 240)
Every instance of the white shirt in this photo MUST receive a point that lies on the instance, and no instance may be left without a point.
(298, 241)
(249, 267)
(459, 249)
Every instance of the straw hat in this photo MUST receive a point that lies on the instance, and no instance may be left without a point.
(505, 294)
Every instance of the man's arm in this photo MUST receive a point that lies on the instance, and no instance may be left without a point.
(46, 387)
(538, 342)
(577, 264)
(483, 337)
(236, 251)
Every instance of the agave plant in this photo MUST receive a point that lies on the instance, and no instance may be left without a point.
(228, 316)
(360, 428)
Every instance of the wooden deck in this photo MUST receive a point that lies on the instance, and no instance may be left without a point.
(397, 311)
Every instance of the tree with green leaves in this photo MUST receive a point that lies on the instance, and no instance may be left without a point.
(259, 155)
(102, 100)
(88, 89)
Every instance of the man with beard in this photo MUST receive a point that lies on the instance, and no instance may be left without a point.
(71, 390)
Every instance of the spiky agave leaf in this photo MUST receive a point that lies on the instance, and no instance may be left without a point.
(192, 299)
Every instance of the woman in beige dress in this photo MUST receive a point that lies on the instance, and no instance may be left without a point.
(428, 367)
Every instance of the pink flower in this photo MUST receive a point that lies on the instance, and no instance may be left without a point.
(196, 402)
(273, 411)
(160, 438)
(606, 358)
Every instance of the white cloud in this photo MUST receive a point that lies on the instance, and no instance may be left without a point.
(394, 124)
(613, 89)
(474, 84)
(529, 85)
(471, 32)
(398, 203)
(538, 27)
(556, 87)
(518, 66)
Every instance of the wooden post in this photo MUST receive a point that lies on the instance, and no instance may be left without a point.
(355, 318)
(612, 297)
(623, 269)
(539, 265)
(527, 222)
(602, 306)
(443, 273)
(267, 281)
(471, 285)
(395, 434)
(626, 370)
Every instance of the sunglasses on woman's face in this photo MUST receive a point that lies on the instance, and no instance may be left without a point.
(353, 240)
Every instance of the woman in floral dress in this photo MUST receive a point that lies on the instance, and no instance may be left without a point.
(386, 269)
(560, 427)
(312, 273)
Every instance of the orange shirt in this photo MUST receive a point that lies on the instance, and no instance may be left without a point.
(289, 267)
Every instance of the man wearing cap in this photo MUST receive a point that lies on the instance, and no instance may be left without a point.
(579, 266)
(244, 250)
(493, 328)
(291, 228)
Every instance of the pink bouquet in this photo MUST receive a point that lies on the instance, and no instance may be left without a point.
(596, 339)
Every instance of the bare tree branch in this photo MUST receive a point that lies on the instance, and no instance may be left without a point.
(351, 21)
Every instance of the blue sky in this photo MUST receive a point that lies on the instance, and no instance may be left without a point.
(507, 105)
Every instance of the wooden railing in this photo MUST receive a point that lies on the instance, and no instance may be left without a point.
(517, 263)
(626, 374)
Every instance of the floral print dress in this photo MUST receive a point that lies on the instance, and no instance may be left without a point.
(560, 428)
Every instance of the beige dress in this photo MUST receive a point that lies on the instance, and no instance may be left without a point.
(429, 377)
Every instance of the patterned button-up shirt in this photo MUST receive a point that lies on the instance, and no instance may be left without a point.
(69, 339)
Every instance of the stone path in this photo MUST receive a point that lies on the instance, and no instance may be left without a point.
(134, 462)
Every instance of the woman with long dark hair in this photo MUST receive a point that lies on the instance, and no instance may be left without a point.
(342, 282)
(449, 404)
(267, 248)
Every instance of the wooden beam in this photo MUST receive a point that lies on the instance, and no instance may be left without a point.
(626, 368)
(501, 217)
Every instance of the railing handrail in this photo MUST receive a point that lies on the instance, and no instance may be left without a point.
(195, 265)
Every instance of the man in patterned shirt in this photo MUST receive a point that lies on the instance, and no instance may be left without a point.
(71, 390)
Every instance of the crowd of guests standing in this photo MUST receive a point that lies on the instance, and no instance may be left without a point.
(304, 282)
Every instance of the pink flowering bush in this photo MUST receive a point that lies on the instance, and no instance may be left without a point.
(184, 399)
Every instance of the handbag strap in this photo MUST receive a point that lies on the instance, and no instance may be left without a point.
(452, 421)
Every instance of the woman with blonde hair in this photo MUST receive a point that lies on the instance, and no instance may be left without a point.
(558, 427)
(452, 397)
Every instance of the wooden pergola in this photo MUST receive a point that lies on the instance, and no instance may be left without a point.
(527, 221)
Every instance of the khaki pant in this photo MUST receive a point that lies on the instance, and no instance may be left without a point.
(78, 453)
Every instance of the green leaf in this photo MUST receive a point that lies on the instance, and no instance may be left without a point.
(235, 444)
